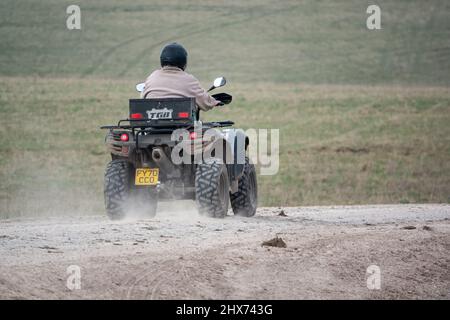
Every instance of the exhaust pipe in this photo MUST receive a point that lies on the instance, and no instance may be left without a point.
(161, 159)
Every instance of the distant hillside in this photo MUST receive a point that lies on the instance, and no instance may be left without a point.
(263, 41)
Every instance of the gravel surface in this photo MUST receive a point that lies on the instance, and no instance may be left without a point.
(179, 254)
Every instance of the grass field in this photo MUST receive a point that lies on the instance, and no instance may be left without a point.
(258, 40)
(363, 115)
(339, 145)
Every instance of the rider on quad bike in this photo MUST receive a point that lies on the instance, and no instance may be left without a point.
(163, 127)
(171, 81)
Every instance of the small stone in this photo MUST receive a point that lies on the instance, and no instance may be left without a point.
(282, 214)
(275, 242)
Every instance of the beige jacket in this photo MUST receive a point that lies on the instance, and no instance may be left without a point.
(172, 82)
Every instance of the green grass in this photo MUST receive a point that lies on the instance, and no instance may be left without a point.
(266, 41)
(339, 144)
(363, 115)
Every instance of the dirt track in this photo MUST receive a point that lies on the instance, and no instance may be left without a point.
(181, 255)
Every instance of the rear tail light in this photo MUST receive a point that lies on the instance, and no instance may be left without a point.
(193, 135)
(183, 115)
(124, 137)
(136, 116)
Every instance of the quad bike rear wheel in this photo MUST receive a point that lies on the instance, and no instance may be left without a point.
(122, 197)
(212, 188)
(244, 201)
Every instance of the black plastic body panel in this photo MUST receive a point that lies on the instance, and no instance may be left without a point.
(167, 110)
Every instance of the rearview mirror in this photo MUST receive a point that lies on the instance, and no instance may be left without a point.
(140, 87)
(219, 82)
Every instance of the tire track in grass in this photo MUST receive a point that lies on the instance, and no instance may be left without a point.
(111, 50)
(203, 30)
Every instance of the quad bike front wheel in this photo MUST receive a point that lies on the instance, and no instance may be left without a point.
(212, 188)
(244, 201)
(122, 197)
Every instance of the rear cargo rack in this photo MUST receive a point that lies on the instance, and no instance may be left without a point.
(153, 127)
(156, 124)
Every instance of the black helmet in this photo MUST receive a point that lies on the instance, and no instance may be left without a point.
(174, 55)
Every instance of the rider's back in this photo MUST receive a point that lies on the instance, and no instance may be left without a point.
(173, 82)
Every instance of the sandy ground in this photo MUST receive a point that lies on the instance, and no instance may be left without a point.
(181, 255)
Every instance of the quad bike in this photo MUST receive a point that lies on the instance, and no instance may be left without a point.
(143, 170)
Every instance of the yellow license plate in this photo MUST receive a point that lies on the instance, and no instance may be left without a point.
(146, 177)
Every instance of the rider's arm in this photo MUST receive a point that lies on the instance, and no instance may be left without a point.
(203, 100)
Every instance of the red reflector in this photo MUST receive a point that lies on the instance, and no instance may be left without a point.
(193, 135)
(183, 114)
(124, 137)
(136, 116)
